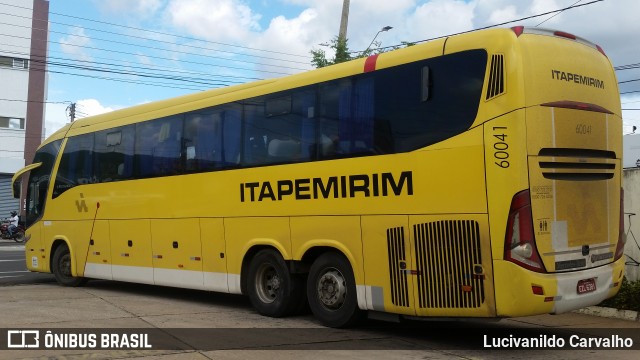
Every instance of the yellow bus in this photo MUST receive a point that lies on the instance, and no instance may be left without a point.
(477, 175)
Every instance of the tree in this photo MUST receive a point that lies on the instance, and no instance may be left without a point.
(342, 53)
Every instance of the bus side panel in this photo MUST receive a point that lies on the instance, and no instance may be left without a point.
(241, 234)
(387, 257)
(214, 257)
(98, 264)
(339, 232)
(78, 242)
(452, 268)
(36, 256)
(177, 253)
(131, 250)
(506, 172)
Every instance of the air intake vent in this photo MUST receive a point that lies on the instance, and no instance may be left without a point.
(449, 266)
(577, 164)
(397, 267)
(496, 77)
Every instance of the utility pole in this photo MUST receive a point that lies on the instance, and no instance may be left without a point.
(344, 20)
(72, 111)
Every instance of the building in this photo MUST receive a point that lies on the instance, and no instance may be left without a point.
(631, 151)
(24, 38)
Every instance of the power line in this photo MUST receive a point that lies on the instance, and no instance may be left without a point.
(556, 14)
(152, 48)
(163, 33)
(490, 26)
(627, 67)
(153, 57)
(37, 101)
(128, 64)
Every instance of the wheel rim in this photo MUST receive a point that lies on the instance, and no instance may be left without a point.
(332, 289)
(267, 283)
(65, 265)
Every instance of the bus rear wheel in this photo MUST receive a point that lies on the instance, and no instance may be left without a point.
(272, 289)
(61, 268)
(331, 290)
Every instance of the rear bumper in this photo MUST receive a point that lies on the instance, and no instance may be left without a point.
(515, 297)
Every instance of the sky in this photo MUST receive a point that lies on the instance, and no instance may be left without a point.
(111, 54)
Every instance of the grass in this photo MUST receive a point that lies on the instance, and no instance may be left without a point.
(628, 298)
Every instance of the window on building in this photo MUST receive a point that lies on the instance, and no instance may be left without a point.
(11, 123)
(6, 61)
(16, 63)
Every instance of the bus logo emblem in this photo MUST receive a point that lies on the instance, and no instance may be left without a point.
(81, 205)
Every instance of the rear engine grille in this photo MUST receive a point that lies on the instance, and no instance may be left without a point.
(495, 86)
(449, 270)
(397, 266)
(577, 164)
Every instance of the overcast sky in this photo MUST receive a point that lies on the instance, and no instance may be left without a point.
(224, 42)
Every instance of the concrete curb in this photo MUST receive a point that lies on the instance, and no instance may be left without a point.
(610, 313)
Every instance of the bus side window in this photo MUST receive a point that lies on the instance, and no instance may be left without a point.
(113, 154)
(158, 147)
(202, 134)
(229, 148)
(346, 117)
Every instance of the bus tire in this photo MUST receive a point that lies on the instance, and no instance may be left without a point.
(272, 289)
(331, 291)
(61, 268)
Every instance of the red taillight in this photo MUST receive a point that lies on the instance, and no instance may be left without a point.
(519, 244)
(600, 49)
(564, 35)
(622, 237)
(568, 104)
(518, 30)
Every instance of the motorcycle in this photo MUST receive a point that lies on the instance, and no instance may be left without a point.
(18, 232)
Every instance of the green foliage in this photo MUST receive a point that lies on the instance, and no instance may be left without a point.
(628, 298)
(342, 54)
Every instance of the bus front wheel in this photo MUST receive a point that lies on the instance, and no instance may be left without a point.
(272, 289)
(331, 290)
(61, 267)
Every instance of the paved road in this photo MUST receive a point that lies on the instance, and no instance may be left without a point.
(202, 325)
(13, 270)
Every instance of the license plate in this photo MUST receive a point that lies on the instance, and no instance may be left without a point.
(586, 286)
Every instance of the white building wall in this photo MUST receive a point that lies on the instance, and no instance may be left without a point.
(631, 186)
(631, 151)
(15, 19)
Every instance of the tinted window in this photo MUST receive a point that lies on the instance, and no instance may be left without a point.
(76, 164)
(202, 140)
(158, 147)
(279, 128)
(405, 121)
(346, 117)
(113, 154)
(39, 180)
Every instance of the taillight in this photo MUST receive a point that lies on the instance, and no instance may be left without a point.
(568, 104)
(518, 30)
(564, 35)
(622, 237)
(520, 246)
